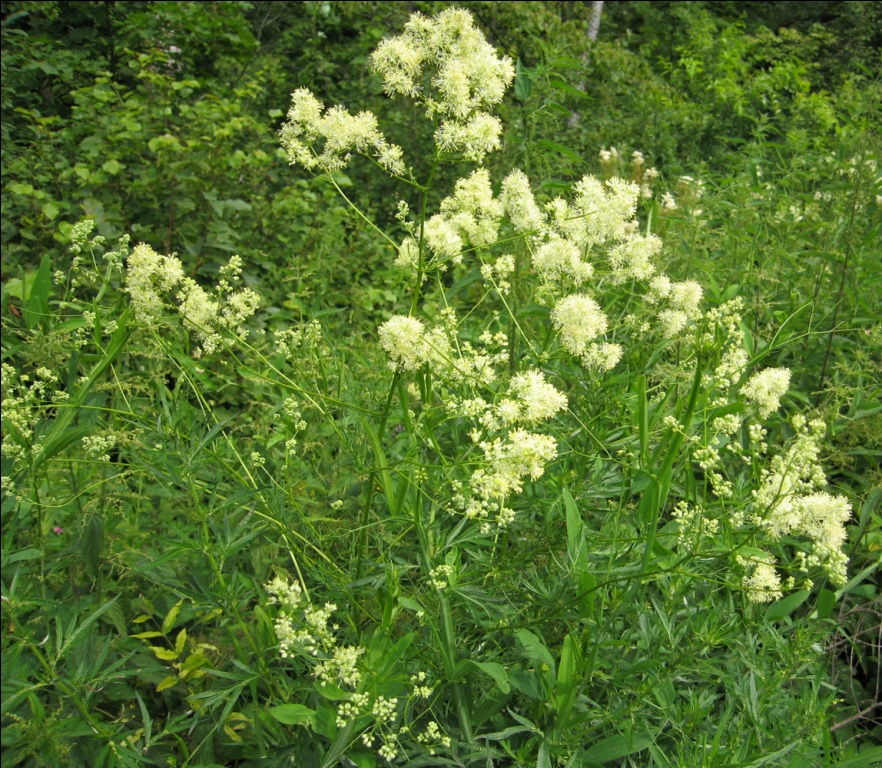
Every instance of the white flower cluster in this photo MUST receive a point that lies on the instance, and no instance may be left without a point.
(517, 198)
(410, 346)
(342, 667)
(559, 257)
(303, 630)
(98, 446)
(497, 274)
(471, 216)
(632, 258)
(682, 301)
(342, 133)
(733, 361)
(150, 277)
(766, 389)
(421, 688)
(559, 236)
(473, 210)
(693, 525)
(599, 213)
(512, 455)
(351, 709)
(760, 581)
(449, 68)
(791, 501)
(580, 320)
(440, 576)
(295, 341)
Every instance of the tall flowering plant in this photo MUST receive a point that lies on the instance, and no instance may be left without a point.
(574, 326)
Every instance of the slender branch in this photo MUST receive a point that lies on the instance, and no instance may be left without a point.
(856, 716)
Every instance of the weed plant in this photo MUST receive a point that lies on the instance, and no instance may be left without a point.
(560, 509)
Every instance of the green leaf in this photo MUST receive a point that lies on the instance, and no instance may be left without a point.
(168, 623)
(786, 606)
(490, 668)
(292, 714)
(331, 692)
(535, 650)
(325, 722)
(91, 544)
(575, 541)
(825, 603)
(543, 759)
(37, 303)
(166, 683)
(393, 655)
(566, 681)
(382, 464)
(73, 633)
(163, 654)
(21, 555)
(50, 210)
(665, 694)
(62, 434)
(16, 287)
(642, 420)
(195, 661)
(363, 759)
(411, 604)
(866, 758)
(569, 90)
(857, 579)
(578, 555)
(523, 85)
(560, 149)
(616, 747)
(773, 756)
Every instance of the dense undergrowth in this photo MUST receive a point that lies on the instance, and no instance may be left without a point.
(524, 411)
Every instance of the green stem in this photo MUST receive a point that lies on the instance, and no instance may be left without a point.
(512, 320)
(421, 264)
(838, 303)
(448, 634)
(372, 481)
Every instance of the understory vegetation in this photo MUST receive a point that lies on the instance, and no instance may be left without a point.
(429, 384)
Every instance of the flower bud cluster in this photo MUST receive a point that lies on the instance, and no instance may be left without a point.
(24, 400)
(693, 525)
(304, 630)
(150, 278)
